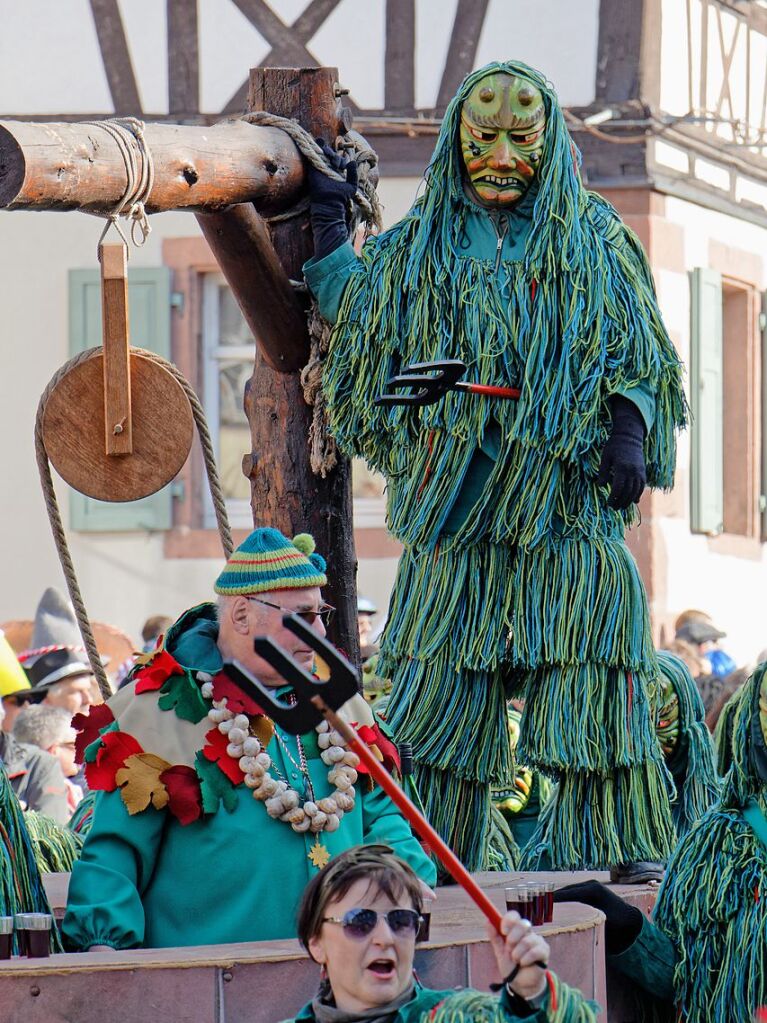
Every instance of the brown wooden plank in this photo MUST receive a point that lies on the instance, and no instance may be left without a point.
(116, 56)
(467, 26)
(118, 427)
(399, 62)
(183, 58)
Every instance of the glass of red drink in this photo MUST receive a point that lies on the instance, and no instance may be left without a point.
(38, 934)
(6, 936)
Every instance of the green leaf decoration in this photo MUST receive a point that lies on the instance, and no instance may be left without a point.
(182, 695)
(215, 787)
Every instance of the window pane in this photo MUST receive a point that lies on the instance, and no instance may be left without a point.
(233, 330)
(234, 432)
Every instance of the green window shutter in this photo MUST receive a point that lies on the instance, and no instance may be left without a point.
(149, 319)
(707, 404)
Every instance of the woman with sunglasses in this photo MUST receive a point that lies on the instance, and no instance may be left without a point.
(359, 918)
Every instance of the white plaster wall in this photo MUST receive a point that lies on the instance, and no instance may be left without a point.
(58, 41)
(732, 589)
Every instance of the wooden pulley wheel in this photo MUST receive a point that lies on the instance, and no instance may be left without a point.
(74, 428)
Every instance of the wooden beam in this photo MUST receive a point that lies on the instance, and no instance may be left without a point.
(183, 58)
(464, 40)
(241, 244)
(71, 166)
(285, 492)
(399, 64)
(116, 57)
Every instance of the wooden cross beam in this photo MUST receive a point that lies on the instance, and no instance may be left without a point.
(231, 175)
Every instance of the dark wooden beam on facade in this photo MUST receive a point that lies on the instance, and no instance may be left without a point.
(399, 60)
(461, 54)
(183, 58)
(116, 57)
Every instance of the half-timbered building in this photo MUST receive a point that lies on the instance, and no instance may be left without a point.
(667, 100)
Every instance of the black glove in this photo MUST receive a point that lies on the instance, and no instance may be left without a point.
(623, 922)
(329, 199)
(622, 466)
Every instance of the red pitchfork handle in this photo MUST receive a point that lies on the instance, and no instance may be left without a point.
(494, 392)
(443, 852)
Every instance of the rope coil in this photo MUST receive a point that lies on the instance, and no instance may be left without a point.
(139, 180)
(54, 515)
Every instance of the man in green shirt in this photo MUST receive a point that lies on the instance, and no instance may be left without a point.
(211, 820)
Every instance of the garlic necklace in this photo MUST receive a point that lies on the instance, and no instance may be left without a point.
(282, 801)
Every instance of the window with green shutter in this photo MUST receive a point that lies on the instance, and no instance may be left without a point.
(149, 292)
(707, 403)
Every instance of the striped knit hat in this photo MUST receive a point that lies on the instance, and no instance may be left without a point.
(267, 560)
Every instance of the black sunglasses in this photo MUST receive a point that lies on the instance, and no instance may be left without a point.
(358, 923)
(325, 612)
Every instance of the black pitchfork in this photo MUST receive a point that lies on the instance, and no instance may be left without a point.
(446, 377)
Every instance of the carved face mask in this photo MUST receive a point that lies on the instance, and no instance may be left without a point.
(503, 120)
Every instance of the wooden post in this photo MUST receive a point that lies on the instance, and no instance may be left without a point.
(285, 492)
(118, 427)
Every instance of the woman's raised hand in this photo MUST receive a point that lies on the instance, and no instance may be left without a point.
(519, 945)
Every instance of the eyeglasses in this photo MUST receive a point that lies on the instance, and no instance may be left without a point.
(325, 612)
(358, 923)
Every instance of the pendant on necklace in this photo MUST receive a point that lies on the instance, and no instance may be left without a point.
(318, 854)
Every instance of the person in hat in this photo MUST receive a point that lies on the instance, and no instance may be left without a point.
(697, 628)
(56, 662)
(515, 579)
(50, 729)
(35, 776)
(366, 611)
(211, 819)
(15, 689)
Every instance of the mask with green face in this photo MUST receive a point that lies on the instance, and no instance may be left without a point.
(503, 120)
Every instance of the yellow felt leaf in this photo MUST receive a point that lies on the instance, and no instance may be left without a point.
(263, 729)
(139, 781)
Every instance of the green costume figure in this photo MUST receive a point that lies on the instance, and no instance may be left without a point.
(209, 819)
(522, 801)
(703, 958)
(515, 578)
(688, 749)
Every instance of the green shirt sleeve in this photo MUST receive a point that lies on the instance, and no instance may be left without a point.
(382, 822)
(104, 904)
(650, 961)
(327, 278)
(644, 399)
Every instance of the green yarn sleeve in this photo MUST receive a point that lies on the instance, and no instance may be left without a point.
(648, 371)
(327, 278)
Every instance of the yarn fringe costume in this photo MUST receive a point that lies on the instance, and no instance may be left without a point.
(712, 902)
(536, 592)
(686, 743)
(477, 1007)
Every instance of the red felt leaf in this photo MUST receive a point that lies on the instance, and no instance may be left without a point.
(215, 751)
(115, 750)
(153, 675)
(236, 700)
(88, 727)
(184, 798)
(373, 736)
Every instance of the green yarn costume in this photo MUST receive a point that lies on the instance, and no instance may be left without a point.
(21, 886)
(712, 903)
(686, 742)
(515, 576)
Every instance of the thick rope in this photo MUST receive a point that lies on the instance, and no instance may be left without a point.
(54, 515)
(365, 209)
(139, 180)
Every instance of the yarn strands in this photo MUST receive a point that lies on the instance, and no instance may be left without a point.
(281, 801)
